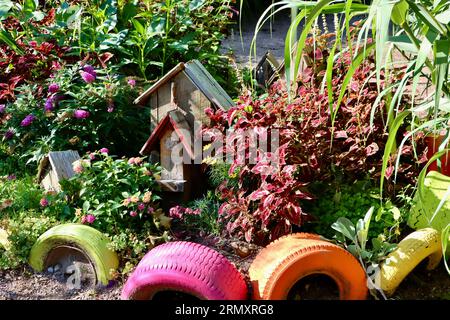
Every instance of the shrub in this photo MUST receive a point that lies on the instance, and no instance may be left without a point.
(120, 198)
(267, 201)
(72, 113)
(200, 216)
(23, 231)
(351, 202)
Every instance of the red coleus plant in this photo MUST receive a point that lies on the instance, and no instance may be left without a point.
(267, 201)
(38, 61)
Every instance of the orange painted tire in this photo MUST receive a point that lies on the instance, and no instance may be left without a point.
(279, 266)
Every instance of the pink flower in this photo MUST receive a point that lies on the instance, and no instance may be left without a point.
(81, 114)
(44, 202)
(2, 108)
(32, 44)
(53, 88)
(132, 83)
(150, 210)
(90, 218)
(177, 212)
(110, 107)
(104, 150)
(141, 206)
(90, 69)
(87, 77)
(131, 161)
(78, 168)
(133, 213)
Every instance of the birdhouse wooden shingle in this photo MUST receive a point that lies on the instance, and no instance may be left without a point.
(54, 167)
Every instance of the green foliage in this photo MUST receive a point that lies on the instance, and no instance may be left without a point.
(111, 122)
(23, 231)
(112, 189)
(355, 238)
(147, 38)
(19, 195)
(219, 172)
(351, 202)
(207, 220)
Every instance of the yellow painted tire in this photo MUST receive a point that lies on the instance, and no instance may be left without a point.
(4, 242)
(410, 252)
(90, 241)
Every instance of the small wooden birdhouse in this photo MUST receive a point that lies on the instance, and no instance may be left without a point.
(54, 167)
(266, 70)
(188, 87)
(178, 102)
(171, 145)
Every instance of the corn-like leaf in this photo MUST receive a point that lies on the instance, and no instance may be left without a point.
(390, 144)
(348, 77)
(8, 39)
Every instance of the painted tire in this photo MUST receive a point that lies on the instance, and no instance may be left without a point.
(91, 242)
(185, 267)
(4, 242)
(410, 252)
(279, 266)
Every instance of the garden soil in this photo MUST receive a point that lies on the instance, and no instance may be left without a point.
(28, 285)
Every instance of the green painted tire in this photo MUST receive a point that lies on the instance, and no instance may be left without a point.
(86, 239)
(4, 242)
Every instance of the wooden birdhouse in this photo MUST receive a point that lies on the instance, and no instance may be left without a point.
(172, 145)
(266, 71)
(189, 88)
(54, 167)
(178, 102)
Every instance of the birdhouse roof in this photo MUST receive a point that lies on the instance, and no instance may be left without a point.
(200, 77)
(175, 121)
(59, 161)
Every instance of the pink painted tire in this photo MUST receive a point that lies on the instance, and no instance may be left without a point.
(185, 267)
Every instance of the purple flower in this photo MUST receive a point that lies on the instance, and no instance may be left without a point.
(90, 218)
(104, 150)
(133, 213)
(43, 202)
(11, 177)
(53, 88)
(90, 69)
(28, 120)
(81, 114)
(141, 206)
(87, 77)
(132, 83)
(110, 108)
(2, 108)
(150, 210)
(9, 134)
(49, 104)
